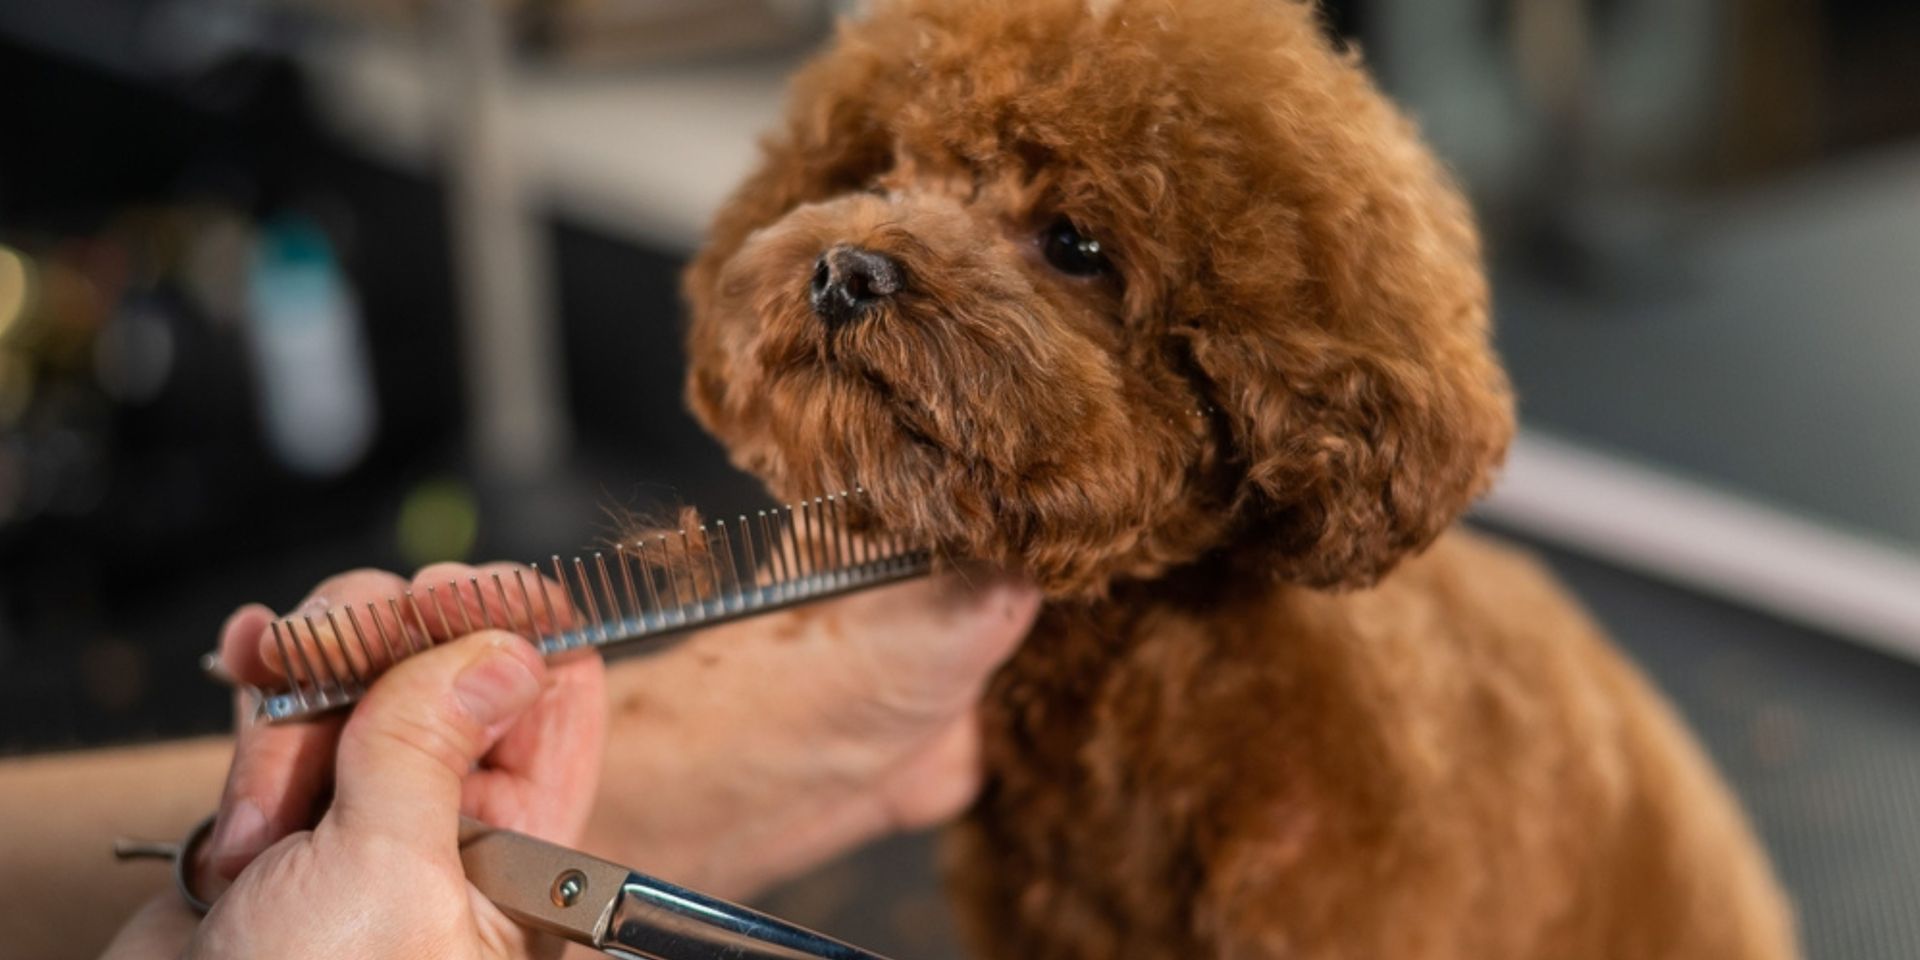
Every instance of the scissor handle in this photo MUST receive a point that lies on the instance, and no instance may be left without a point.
(182, 855)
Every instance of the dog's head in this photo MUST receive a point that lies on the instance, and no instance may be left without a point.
(1095, 289)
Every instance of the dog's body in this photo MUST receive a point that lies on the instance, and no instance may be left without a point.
(1453, 764)
(1159, 303)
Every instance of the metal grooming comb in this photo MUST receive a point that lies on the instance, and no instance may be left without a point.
(610, 601)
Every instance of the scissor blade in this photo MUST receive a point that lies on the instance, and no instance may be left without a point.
(657, 920)
(624, 913)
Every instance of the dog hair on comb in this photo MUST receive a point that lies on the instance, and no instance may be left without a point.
(615, 600)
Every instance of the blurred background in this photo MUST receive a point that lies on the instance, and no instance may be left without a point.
(290, 287)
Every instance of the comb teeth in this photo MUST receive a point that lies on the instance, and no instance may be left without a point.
(607, 600)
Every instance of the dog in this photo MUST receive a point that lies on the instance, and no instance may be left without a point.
(1162, 305)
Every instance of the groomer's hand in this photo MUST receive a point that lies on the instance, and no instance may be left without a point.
(339, 837)
(760, 749)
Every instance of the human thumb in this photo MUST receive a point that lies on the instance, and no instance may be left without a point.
(419, 731)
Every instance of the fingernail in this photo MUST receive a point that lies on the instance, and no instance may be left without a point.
(240, 836)
(497, 685)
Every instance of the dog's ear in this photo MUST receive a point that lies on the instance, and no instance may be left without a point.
(1351, 367)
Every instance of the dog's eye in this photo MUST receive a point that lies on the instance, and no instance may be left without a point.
(1072, 252)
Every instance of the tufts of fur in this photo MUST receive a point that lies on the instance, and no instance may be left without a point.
(671, 550)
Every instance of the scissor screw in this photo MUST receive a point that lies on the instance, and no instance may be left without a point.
(568, 887)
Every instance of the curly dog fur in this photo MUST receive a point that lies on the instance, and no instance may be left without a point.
(1274, 708)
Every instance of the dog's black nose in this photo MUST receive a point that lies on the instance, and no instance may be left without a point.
(849, 280)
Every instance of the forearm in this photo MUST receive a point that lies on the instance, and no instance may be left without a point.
(61, 892)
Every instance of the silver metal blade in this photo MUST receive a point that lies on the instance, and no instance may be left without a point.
(624, 913)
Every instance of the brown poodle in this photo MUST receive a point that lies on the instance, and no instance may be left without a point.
(1159, 302)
